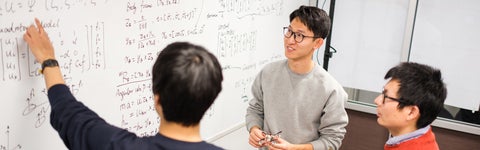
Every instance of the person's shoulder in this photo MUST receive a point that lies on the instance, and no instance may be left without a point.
(319, 70)
(273, 68)
(326, 78)
(214, 147)
(168, 143)
(323, 74)
(275, 65)
(208, 146)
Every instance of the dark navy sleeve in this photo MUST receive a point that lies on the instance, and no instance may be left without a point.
(79, 127)
(82, 129)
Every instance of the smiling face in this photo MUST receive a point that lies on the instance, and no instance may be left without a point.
(303, 50)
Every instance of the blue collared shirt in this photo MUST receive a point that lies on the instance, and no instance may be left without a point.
(402, 138)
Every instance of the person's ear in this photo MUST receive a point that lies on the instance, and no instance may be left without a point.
(156, 99)
(157, 104)
(413, 112)
(318, 43)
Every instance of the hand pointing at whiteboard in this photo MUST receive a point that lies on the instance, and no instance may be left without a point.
(39, 43)
(42, 49)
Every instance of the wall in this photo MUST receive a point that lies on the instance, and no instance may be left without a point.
(106, 49)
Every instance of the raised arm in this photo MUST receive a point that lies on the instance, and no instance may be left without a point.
(42, 49)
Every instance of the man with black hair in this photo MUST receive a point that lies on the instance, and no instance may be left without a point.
(410, 101)
(186, 81)
(296, 97)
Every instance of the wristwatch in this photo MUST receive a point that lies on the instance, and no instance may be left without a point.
(49, 63)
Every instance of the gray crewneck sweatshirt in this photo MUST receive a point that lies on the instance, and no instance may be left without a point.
(307, 108)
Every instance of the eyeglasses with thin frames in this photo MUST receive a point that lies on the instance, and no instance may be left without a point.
(287, 32)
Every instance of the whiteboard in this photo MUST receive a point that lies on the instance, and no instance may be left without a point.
(106, 50)
(446, 36)
(367, 35)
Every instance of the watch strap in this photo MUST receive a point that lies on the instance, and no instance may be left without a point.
(48, 63)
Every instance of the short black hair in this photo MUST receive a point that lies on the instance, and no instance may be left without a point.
(420, 85)
(187, 79)
(314, 18)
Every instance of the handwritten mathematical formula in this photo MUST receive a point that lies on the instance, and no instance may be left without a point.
(93, 44)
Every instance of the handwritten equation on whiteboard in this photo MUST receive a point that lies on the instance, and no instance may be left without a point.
(115, 43)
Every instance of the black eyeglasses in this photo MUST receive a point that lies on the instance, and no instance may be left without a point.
(399, 100)
(297, 36)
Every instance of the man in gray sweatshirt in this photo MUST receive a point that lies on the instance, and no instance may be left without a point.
(296, 96)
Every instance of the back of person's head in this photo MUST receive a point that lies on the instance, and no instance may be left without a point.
(421, 86)
(314, 18)
(187, 79)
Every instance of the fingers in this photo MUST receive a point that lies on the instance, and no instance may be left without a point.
(270, 147)
(255, 141)
(26, 37)
(278, 143)
(256, 138)
(254, 144)
(39, 26)
(33, 32)
(275, 146)
(38, 42)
